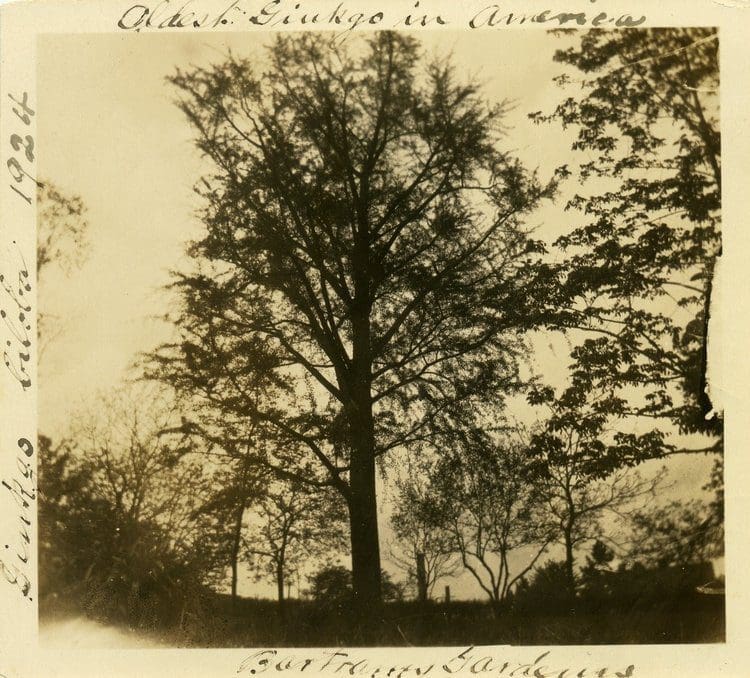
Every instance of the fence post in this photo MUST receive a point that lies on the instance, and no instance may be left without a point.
(421, 578)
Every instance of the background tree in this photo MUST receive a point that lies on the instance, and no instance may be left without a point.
(62, 230)
(138, 474)
(331, 586)
(584, 467)
(236, 485)
(420, 532)
(640, 265)
(119, 510)
(486, 497)
(715, 485)
(75, 526)
(288, 526)
(364, 229)
(546, 589)
(675, 534)
(596, 574)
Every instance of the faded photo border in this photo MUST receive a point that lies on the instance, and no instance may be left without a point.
(21, 24)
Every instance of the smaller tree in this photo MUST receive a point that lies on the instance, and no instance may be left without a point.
(675, 534)
(487, 498)
(597, 573)
(331, 587)
(546, 592)
(715, 523)
(585, 470)
(420, 534)
(288, 525)
(237, 484)
(133, 468)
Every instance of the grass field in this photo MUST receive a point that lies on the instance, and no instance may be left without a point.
(692, 618)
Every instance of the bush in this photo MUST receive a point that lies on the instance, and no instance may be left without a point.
(548, 591)
(95, 558)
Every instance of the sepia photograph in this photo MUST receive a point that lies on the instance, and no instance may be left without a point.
(382, 338)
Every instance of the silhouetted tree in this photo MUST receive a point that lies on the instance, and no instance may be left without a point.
(119, 506)
(487, 497)
(363, 252)
(236, 485)
(716, 506)
(289, 525)
(597, 574)
(331, 584)
(675, 534)
(420, 532)
(583, 466)
(546, 592)
(75, 525)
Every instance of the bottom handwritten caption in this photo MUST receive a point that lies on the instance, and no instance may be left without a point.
(471, 661)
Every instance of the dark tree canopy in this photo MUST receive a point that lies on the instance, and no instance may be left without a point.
(364, 266)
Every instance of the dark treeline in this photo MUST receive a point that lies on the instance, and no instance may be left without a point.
(367, 297)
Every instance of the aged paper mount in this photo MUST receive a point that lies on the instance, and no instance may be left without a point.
(138, 29)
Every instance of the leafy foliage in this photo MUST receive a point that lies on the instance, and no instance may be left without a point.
(639, 268)
(331, 586)
(548, 589)
(365, 283)
(676, 534)
(584, 466)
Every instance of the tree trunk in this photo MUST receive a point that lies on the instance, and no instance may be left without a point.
(497, 607)
(421, 578)
(363, 521)
(235, 553)
(570, 522)
(569, 561)
(363, 518)
(234, 579)
(280, 591)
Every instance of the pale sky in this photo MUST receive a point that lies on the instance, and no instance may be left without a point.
(108, 130)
